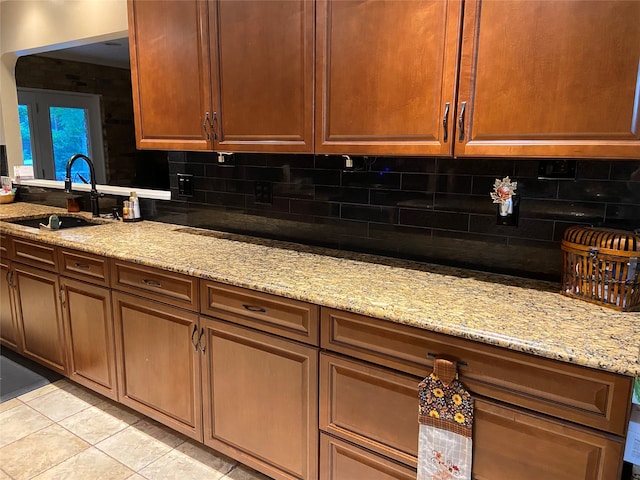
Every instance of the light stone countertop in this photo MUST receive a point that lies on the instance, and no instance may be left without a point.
(515, 313)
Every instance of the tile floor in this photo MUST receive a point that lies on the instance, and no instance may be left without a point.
(63, 431)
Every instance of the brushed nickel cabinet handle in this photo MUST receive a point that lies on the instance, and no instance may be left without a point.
(254, 308)
(463, 106)
(151, 283)
(445, 122)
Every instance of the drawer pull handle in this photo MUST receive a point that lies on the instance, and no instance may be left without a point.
(151, 283)
(82, 266)
(253, 308)
(460, 364)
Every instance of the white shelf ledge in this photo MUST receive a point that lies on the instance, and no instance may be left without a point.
(106, 189)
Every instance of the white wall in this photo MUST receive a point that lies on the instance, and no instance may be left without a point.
(36, 26)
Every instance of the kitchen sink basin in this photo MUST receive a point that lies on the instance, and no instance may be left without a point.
(66, 221)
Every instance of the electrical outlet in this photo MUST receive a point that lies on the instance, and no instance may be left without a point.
(263, 192)
(185, 184)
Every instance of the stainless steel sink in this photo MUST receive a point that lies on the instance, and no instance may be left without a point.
(66, 221)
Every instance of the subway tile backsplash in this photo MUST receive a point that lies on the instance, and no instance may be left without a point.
(427, 209)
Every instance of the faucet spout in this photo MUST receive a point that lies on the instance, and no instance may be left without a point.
(95, 207)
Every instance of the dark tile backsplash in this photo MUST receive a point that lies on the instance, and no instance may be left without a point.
(426, 209)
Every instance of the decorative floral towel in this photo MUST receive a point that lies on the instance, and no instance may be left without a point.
(446, 421)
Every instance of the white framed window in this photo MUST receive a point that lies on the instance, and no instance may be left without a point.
(56, 125)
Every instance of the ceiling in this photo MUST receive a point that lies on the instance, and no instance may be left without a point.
(112, 53)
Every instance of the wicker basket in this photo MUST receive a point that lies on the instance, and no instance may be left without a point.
(601, 265)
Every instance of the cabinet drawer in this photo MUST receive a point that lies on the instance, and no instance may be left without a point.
(164, 286)
(85, 266)
(342, 461)
(5, 248)
(590, 397)
(35, 253)
(270, 313)
(373, 407)
(377, 409)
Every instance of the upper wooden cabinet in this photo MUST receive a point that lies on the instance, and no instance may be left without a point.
(529, 78)
(223, 75)
(170, 68)
(385, 76)
(263, 75)
(543, 78)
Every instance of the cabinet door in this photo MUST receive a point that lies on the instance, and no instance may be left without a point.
(89, 330)
(39, 316)
(263, 76)
(385, 75)
(260, 400)
(8, 332)
(343, 461)
(170, 80)
(541, 78)
(360, 403)
(158, 363)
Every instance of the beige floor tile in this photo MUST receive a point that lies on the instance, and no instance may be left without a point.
(20, 422)
(242, 472)
(9, 404)
(96, 423)
(63, 402)
(38, 392)
(4, 476)
(140, 444)
(91, 464)
(135, 476)
(39, 451)
(188, 462)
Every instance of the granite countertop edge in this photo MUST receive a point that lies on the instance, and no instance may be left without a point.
(518, 314)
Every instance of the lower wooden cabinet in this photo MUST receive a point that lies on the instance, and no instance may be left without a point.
(260, 400)
(509, 443)
(9, 336)
(158, 362)
(89, 331)
(39, 316)
(376, 409)
(341, 460)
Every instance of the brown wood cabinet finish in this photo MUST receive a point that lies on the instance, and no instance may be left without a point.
(85, 266)
(39, 316)
(170, 74)
(260, 400)
(569, 89)
(281, 316)
(89, 333)
(589, 397)
(35, 253)
(372, 407)
(263, 75)
(158, 363)
(343, 461)
(170, 287)
(9, 336)
(377, 409)
(508, 443)
(385, 76)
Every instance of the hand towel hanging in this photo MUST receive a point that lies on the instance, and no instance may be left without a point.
(446, 422)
